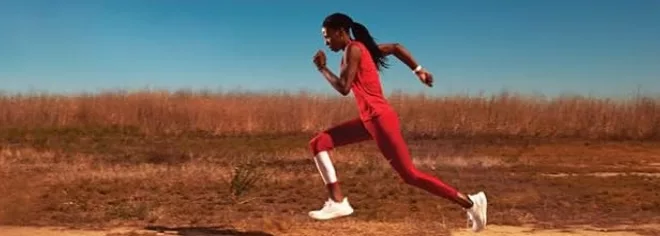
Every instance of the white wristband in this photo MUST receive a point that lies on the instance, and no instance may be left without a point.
(417, 69)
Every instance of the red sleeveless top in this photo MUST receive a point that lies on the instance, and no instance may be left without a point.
(366, 87)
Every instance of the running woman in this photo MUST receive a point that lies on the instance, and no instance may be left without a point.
(361, 62)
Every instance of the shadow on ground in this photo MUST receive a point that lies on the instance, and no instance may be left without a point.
(204, 231)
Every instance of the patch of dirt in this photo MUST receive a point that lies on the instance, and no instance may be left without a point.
(50, 231)
(353, 228)
(500, 230)
(603, 174)
(179, 182)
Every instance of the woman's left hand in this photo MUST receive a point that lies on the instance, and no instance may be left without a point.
(425, 77)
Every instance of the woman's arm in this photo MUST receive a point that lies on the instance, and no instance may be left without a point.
(347, 75)
(400, 52)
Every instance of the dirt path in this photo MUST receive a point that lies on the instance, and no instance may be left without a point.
(520, 231)
(493, 230)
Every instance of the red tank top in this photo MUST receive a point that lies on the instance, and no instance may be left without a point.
(366, 87)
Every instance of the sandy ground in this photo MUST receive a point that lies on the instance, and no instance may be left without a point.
(492, 230)
(105, 182)
(497, 230)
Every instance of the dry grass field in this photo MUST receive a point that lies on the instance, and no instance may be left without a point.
(203, 163)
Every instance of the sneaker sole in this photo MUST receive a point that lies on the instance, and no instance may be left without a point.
(484, 212)
(481, 200)
(333, 216)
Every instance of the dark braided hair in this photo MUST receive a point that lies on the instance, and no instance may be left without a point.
(360, 32)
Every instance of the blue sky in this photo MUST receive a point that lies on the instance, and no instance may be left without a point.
(596, 47)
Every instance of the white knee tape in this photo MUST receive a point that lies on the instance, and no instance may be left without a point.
(325, 167)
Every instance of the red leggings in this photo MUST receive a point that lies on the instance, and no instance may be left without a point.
(385, 130)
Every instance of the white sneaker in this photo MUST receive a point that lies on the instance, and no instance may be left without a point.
(478, 213)
(332, 209)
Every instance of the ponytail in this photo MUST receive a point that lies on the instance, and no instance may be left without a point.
(362, 35)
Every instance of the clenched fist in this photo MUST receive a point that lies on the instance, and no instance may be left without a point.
(319, 59)
(425, 77)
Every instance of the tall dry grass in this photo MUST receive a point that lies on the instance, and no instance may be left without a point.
(504, 114)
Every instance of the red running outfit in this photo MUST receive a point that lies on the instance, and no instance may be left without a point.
(377, 121)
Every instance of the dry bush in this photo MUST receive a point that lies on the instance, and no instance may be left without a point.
(501, 115)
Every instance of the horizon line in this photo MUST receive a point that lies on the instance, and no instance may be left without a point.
(633, 94)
